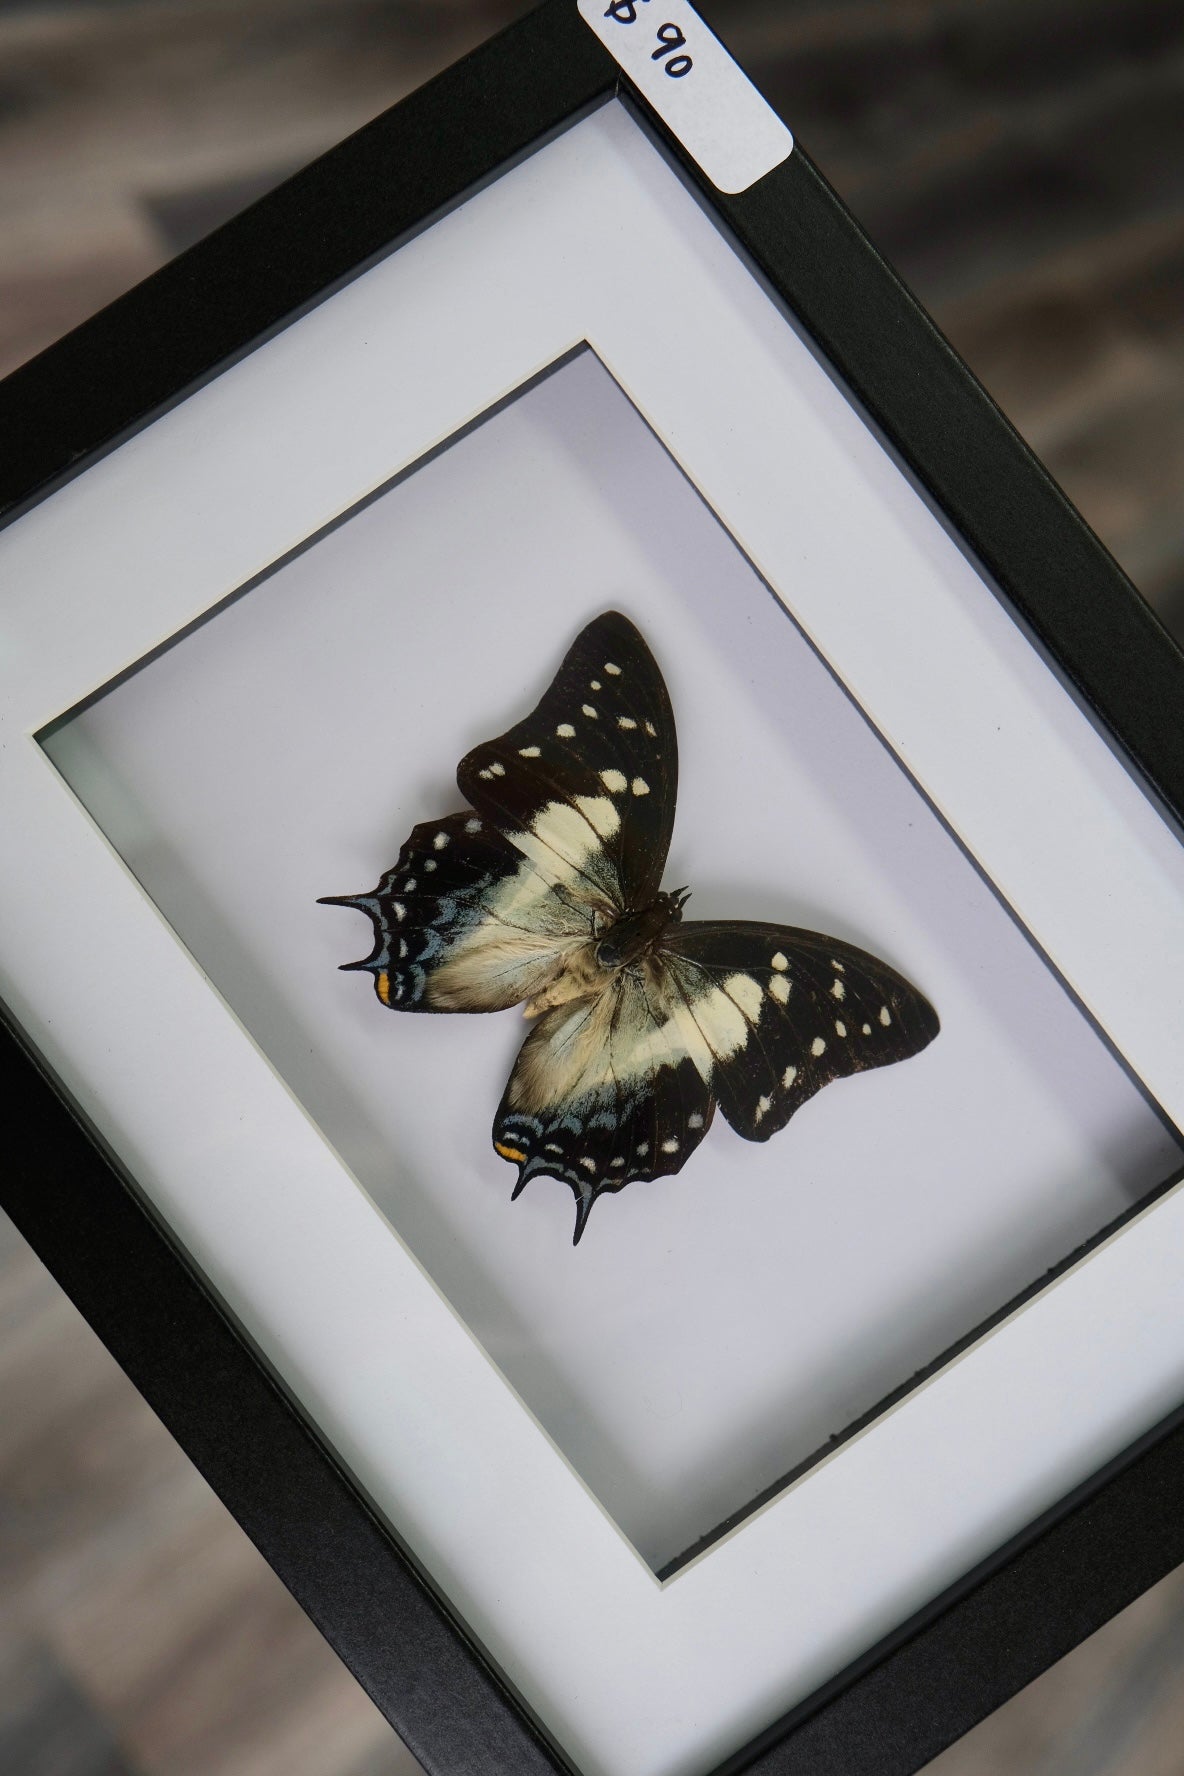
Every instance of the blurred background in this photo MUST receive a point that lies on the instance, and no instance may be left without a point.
(1022, 164)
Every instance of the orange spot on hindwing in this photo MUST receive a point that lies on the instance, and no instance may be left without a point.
(509, 1153)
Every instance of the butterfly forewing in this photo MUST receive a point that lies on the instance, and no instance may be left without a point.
(604, 1092)
(464, 922)
(780, 1012)
(585, 785)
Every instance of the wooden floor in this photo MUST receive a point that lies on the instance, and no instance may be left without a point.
(1023, 165)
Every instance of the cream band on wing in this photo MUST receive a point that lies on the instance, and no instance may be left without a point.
(622, 1036)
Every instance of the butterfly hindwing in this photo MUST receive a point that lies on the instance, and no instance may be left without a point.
(585, 785)
(464, 922)
(781, 1012)
(603, 1093)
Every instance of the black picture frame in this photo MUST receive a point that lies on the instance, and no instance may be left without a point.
(1068, 1572)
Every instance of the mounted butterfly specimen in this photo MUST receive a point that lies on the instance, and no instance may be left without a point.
(546, 890)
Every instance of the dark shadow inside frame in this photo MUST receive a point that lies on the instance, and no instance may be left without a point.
(1068, 1572)
(1006, 1307)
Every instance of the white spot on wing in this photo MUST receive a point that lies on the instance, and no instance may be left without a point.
(651, 730)
(639, 786)
(779, 961)
(429, 863)
(867, 1029)
(589, 1165)
(840, 1028)
(473, 825)
(528, 752)
(400, 910)
(616, 781)
(615, 670)
(589, 711)
(643, 1148)
(839, 990)
(626, 721)
(885, 1016)
(670, 1146)
(565, 731)
(552, 1147)
(779, 988)
(695, 1121)
(595, 684)
(788, 1077)
(837, 966)
(497, 769)
(409, 885)
(818, 1046)
(619, 1161)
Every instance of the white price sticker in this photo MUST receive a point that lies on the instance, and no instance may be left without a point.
(695, 87)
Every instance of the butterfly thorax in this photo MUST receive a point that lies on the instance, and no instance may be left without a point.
(590, 968)
(636, 934)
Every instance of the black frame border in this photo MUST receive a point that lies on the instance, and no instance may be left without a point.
(1070, 1571)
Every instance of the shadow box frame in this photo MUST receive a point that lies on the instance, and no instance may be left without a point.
(942, 1666)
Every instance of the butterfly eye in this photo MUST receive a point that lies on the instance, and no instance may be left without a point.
(607, 954)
